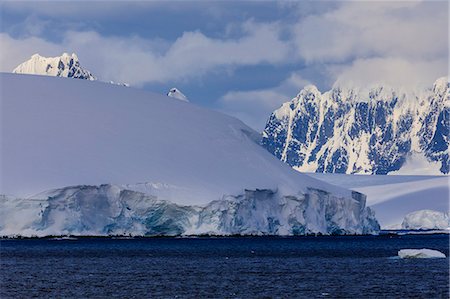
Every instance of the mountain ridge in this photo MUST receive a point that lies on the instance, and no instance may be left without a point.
(60, 66)
(373, 131)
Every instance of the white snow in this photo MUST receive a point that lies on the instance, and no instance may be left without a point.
(426, 220)
(418, 164)
(420, 254)
(61, 66)
(58, 132)
(306, 114)
(177, 94)
(100, 133)
(393, 197)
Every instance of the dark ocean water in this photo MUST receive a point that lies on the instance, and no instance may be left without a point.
(265, 267)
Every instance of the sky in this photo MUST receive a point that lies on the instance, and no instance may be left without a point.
(244, 58)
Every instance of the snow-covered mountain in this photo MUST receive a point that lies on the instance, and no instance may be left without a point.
(375, 131)
(61, 66)
(169, 167)
(177, 94)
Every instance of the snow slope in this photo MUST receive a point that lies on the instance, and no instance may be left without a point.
(376, 130)
(63, 66)
(58, 132)
(393, 197)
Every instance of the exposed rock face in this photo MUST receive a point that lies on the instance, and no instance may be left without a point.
(177, 94)
(370, 132)
(63, 66)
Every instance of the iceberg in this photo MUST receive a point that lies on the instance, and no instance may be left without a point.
(420, 254)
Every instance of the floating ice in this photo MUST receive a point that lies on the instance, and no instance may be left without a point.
(420, 254)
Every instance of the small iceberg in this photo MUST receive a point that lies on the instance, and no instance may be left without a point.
(420, 254)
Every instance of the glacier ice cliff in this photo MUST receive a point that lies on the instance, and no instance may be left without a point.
(174, 168)
(112, 210)
(372, 131)
(392, 197)
(426, 219)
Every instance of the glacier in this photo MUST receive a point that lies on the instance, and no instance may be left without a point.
(393, 197)
(110, 210)
(426, 220)
(374, 130)
(105, 159)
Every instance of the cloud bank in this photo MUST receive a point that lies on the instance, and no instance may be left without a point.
(402, 43)
(138, 61)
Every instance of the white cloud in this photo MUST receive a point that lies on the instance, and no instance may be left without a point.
(366, 40)
(261, 44)
(69, 8)
(367, 29)
(15, 51)
(401, 43)
(255, 106)
(411, 35)
(396, 72)
(137, 60)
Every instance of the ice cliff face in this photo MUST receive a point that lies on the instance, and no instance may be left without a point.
(353, 131)
(426, 219)
(63, 66)
(111, 210)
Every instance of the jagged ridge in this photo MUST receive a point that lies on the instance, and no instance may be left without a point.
(352, 131)
(61, 66)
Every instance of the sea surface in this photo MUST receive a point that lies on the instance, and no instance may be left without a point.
(254, 267)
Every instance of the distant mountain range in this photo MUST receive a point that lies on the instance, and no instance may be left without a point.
(376, 131)
(345, 130)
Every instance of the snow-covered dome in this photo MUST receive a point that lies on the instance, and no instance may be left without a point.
(124, 160)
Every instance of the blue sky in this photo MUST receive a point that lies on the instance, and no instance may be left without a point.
(242, 58)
